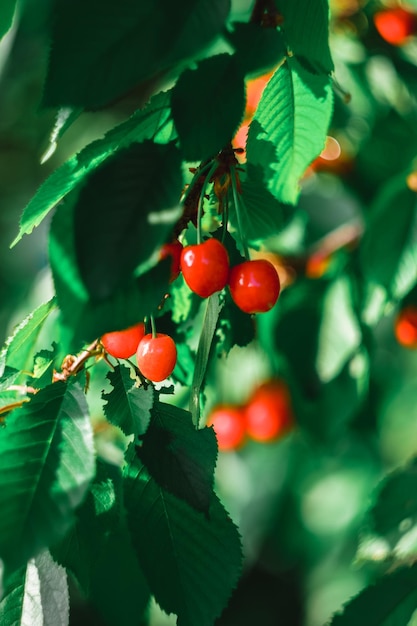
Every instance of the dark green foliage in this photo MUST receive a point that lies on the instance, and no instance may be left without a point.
(392, 600)
(141, 185)
(91, 71)
(180, 458)
(191, 560)
(268, 43)
(99, 554)
(208, 105)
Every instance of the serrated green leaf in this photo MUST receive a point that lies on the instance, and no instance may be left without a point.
(388, 250)
(306, 30)
(289, 128)
(99, 553)
(127, 405)
(392, 600)
(18, 349)
(8, 377)
(143, 124)
(46, 464)
(134, 197)
(257, 48)
(208, 105)
(83, 319)
(178, 456)
(91, 71)
(191, 561)
(261, 215)
(7, 8)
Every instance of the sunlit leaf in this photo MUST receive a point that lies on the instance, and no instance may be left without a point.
(19, 347)
(46, 464)
(144, 124)
(289, 127)
(127, 405)
(37, 595)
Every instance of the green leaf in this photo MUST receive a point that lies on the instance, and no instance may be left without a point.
(211, 317)
(208, 105)
(91, 58)
(191, 561)
(392, 600)
(178, 456)
(339, 332)
(143, 124)
(260, 212)
(396, 501)
(8, 377)
(18, 349)
(134, 197)
(388, 250)
(127, 405)
(99, 553)
(83, 319)
(289, 127)
(306, 30)
(46, 464)
(257, 48)
(37, 595)
(7, 8)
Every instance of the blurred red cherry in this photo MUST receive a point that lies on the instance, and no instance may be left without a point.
(268, 412)
(172, 250)
(395, 25)
(228, 422)
(406, 327)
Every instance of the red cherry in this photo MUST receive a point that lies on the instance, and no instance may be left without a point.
(122, 344)
(268, 413)
(229, 425)
(205, 267)
(254, 286)
(156, 356)
(406, 327)
(172, 250)
(395, 25)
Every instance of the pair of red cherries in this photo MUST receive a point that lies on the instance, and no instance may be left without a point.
(156, 356)
(254, 285)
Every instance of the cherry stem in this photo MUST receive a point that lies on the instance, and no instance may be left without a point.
(94, 349)
(213, 168)
(200, 172)
(153, 327)
(237, 203)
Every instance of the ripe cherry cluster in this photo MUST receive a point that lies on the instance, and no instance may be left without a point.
(253, 285)
(156, 353)
(267, 416)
